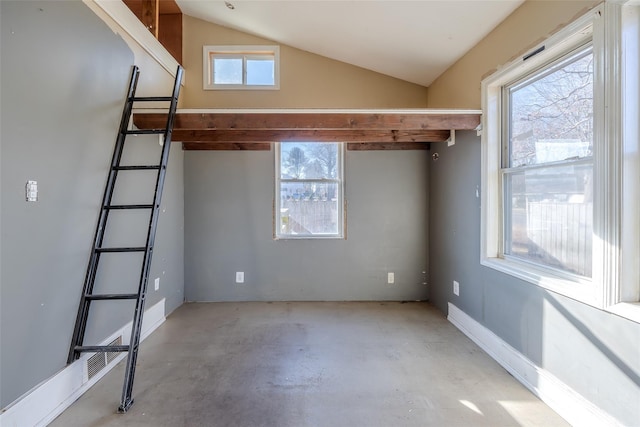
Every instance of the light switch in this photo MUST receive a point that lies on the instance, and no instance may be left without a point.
(31, 191)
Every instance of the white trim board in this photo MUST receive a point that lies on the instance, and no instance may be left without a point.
(569, 404)
(45, 402)
(421, 111)
(122, 16)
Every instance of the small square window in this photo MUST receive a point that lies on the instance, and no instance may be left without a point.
(260, 71)
(241, 67)
(227, 71)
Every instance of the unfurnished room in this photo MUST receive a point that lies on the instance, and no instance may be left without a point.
(319, 213)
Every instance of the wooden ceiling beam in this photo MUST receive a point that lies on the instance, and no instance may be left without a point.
(226, 146)
(266, 146)
(254, 130)
(306, 135)
(377, 146)
(315, 121)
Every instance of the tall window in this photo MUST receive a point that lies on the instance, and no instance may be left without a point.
(547, 165)
(309, 190)
(241, 67)
(560, 169)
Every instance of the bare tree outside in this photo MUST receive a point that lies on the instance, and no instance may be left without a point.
(295, 162)
(556, 108)
(549, 166)
(326, 156)
(309, 188)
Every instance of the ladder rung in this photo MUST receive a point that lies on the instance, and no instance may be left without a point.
(146, 132)
(136, 168)
(129, 207)
(130, 249)
(102, 297)
(151, 98)
(101, 348)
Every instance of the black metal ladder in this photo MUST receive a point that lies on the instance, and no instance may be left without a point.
(77, 347)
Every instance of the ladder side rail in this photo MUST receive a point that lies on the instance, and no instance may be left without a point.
(134, 340)
(94, 258)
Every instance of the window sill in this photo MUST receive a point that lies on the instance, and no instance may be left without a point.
(285, 238)
(582, 290)
(628, 310)
(241, 87)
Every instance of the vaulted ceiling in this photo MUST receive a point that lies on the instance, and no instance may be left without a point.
(414, 41)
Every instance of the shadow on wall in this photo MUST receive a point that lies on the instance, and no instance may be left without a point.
(629, 371)
(593, 352)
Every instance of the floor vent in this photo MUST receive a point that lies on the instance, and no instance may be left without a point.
(113, 354)
(95, 364)
(99, 361)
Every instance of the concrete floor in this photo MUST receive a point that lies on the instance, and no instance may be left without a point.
(311, 364)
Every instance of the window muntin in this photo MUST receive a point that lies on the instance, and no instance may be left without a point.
(241, 67)
(547, 165)
(309, 190)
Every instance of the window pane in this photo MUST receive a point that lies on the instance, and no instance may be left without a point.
(227, 71)
(309, 208)
(549, 217)
(313, 160)
(260, 72)
(551, 116)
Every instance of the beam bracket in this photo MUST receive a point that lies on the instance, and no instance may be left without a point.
(452, 138)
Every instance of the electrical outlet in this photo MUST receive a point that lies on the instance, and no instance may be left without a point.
(391, 278)
(456, 288)
(156, 283)
(239, 276)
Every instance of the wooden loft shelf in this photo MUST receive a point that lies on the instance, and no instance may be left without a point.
(360, 129)
(163, 18)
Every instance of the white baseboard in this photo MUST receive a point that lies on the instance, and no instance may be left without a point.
(569, 404)
(45, 402)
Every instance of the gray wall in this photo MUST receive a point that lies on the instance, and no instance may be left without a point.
(594, 352)
(63, 82)
(229, 228)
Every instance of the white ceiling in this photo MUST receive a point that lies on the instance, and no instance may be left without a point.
(414, 41)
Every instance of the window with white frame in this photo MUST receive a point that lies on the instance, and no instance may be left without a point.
(547, 165)
(309, 190)
(241, 67)
(560, 162)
